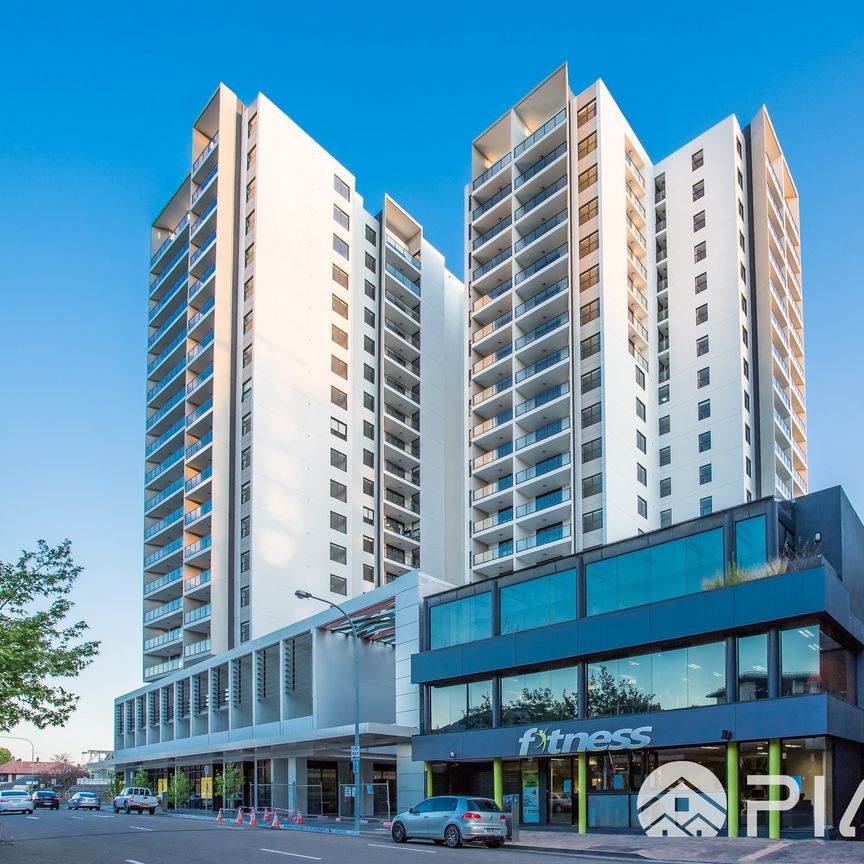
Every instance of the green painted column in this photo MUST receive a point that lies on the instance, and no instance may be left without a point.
(427, 767)
(774, 767)
(498, 782)
(733, 804)
(582, 760)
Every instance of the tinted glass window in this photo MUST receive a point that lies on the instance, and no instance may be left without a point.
(460, 621)
(483, 805)
(426, 806)
(539, 602)
(753, 667)
(445, 805)
(461, 706)
(539, 696)
(750, 550)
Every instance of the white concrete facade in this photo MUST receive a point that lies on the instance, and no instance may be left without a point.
(309, 404)
(589, 405)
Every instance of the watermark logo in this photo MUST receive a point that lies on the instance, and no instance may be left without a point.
(681, 799)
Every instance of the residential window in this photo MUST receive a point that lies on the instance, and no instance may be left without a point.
(368, 371)
(245, 458)
(368, 430)
(591, 415)
(701, 346)
(665, 425)
(368, 317)
(592, 485)
(339, 491)
(699, 190)
(743, 304)
(699, 221)
(663, 394)
(338, 367)
(665, 487)
(665, 518)
(368, 573)
(251, 157)
(740, 208)
(642, 474)
(368, 458)
(700, 252)
(588, 178)
(746, 433)
(641, 441)
(703, 377)
(368, 487)
(249, 255)
(338, 335)
(250, 189)
(589, 244)
(702, 313)
(587, 145)
(247, 355)
(248, 287)
(246, 392)
(586, 112)
(338, 553)
(368, 545)
(592, 450)
(642, 506)
(590, 381)
(370, 262)
(252, 125)
(340, 246)
(740, 178)
(588, 211)
(744, 336)
(748, 466)
(342, 187)
(589, 312)
(247, 321)
(705, 474)
(741, 240)
(706, 506)
(338, 459)
(665, 456)
(250, 222)
(370, 290)
(746, 401)
(589, 277)
(368, 515)
(640, 377)
(338, 522)
(244, 596)
(743, 274)
(244, 561)
(340, 277)
(339, 306)
(246, 424)
(339, 397)
(697, 160)
(746, 368)
(339, 429)
(369, 348)
(701, 283)
(592, 521)
(368, 401)
(703, 410)
(246, 493)
(704, 441)
(341, 217)
(739, 147)
(244, 631)
(590, 346)
(640, 409)
(371, 236)
(338, 585)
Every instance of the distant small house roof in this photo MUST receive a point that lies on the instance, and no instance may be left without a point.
(19, 766)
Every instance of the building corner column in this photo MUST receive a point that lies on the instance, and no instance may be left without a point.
(498, 781)
(427, 770)
(774, 767)
(582, 760)
(732, 801)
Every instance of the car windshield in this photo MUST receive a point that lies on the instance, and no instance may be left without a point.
(46, 794)
(87, 794)
(14, 792)
(483, 805)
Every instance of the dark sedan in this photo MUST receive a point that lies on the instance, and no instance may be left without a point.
(46, 798)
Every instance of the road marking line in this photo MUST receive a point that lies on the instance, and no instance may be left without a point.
(80, 818)
(761, 853)
(139, 828)
(407, 848)
(104, 815)
(292, 854)
(133, 861)
(33, 817)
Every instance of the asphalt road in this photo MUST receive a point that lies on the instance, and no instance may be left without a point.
(84, 837)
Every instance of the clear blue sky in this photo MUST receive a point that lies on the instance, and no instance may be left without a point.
(95, 136)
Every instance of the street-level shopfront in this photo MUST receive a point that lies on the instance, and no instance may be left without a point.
(725, 641)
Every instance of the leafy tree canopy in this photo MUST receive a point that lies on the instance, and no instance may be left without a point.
(5, 755)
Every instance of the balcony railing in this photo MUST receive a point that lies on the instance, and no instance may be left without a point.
(500, 485)
(636, 202)
(208, 149)
(495, 229)
(540, 263)
(637, 293)
(195, 287)
(202, 218)
(637, 263)
(540, 365)
(412, 449)
(500, 354)
(402, 252)
(169, 296)
(411, 532)
(543, 502)
(164, 465)
(399, 304)
(539, 165)
(541, 229)
(502, 517)
(492, 455)
(199, 478)
(164, 609)
(543, 398)
(500, 195)
(500, 551)
(491, 171)
(202, 249)
(784, 396)
(408, 419)
(198, 546)
(412, 393)
(544, 130)
(783, 364)
(202, 409)
(492, 263)
(197, 614)
(198, 512)
(497, 324)
(154, 338)
(401, 501)
(153, 419)
(401, 278)
(491, 391)
(541, 538)
(174, 576)
(497, 291)
(181, 253)
(154, 363)
(396, 357)
(628, 159)
(778, 417)
(637, 325)
(787, 462)
(542, 330)
(638, 356)
(785, 491)
(553, 463)
(200, 347)
(541, 296)
(163, 668)
(164, 552)
(393, 327)
(400, 556)
(203, 186)
(170, 432)
(196, 648)
(399, 471)
(164, 639)
(547, 431)
(540, 197)
(199, 315)
(196, 581)
(491, 423)
(166, 379)
(200, 378)
(172, 236)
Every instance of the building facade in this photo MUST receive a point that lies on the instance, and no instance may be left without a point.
(636, 330)
(733, 640)
(304, 373)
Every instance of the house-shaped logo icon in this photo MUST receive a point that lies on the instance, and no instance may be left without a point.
(682, 799)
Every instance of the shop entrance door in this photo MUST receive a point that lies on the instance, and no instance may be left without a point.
(562, 791)
(322, 775)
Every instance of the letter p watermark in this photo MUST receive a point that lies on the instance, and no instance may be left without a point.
(755, 807)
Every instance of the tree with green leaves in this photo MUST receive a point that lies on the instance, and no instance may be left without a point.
(178, 789)
(140, 778)
(115, 784)
(5, 755)
(37, 644)
(228, 782)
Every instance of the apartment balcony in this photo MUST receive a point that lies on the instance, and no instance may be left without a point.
(550, 404)
(636, 239)
(165, 530)
(638, 271)
(775, 186)
(492, 171)
(198, 487)
(195, 651)
(545, 509)
(799, 428)
(780, 392)
(203, 285)
(163, 668)
(794, 284)
(162, 475)
(162, 310)
(167, 415)
(494, 335)
(197, 585)
(164, 502)
(200, 354)
(172, 352)
(400, 367)
(172, 328)
(497, 267)
(197, 520)
(204, 256)
(480, 403)
(633, 172)
(174, 269)
(493, 463)
(784, 426)
(405, 314)
(553, 368)
(202, 384)
(197, 620)
(638, 332)
(489, 431)
(170, 244)
(552, 266)
(796, 319)
(206, 191)
(551, 133)
(540, 173)
(402, 480)
(207, 158)
(205, 223)
(165, 644)
(792, 224)
(776, 243)
(395, 386)
(488, 235)
(797, 370)
(400, 451)
(782, 489)
(549, 473)
(777, 268)
(166, 587)
(165, 559)
(397, 421)
(545, 544)
(550, 439)
(493, 367)
(546, 338)
(543, 204)
(410, 560)
(778, 298)
(499, 524)
(799, 403)
(494, 208)
(640, 215)
(780, 363)
(489, 306)
(799, 457)
(551, 233)
(199, 417)
(638, 301)
(160, 392)
(494, 496)
(548, 302)
(495, 560)
(403, 280)
(785, 461)
(401, 535)
(195, 552)
(799, 484)
(201, 320)
(167, 615)
(400, 507)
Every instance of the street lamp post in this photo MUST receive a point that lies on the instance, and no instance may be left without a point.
(32, 748)
(355, 750)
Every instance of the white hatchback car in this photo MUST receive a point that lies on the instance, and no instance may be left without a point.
(15, 801)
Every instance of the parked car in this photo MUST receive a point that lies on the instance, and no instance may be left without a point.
(15, 801)
(46, 798)
(84, 801)
(136, 798)
(452, 820)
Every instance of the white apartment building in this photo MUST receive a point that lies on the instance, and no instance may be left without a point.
(304, 383)
(635, 327)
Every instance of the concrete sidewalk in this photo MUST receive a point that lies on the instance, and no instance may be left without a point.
(716, 850)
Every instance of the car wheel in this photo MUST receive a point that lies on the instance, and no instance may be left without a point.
(494, 844)
(397, 832)
(128, 810)
(452, 837)
(116, 809)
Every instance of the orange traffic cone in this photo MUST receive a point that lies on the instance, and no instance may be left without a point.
(239, 819)
(275, 822)
(254, 819)
(299, 819)
(219, 816)
(267, 814)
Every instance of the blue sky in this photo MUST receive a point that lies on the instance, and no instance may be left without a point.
(96, 135)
